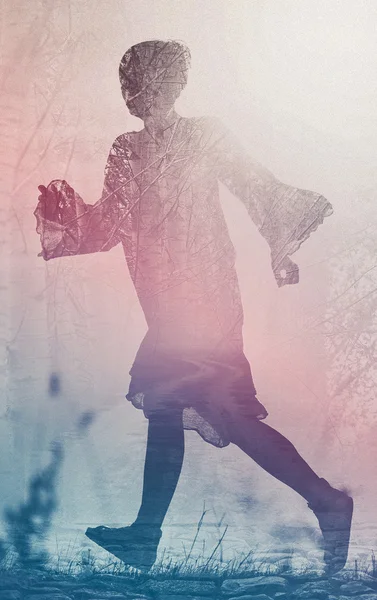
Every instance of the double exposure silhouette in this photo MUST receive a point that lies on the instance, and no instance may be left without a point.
(161, 202)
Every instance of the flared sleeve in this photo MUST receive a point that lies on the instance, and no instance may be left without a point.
(284, 215)
(68, 226)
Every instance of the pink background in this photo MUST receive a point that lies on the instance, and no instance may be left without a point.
(296, 80)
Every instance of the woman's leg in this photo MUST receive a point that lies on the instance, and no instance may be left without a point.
(137, 544)
(163, 465)
(277, 455)
(333, 508)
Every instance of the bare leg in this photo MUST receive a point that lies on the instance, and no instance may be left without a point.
(333, 508)
(137, 544)
(163, 465)
(277, 455)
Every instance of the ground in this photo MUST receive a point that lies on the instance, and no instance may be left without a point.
(176, 583)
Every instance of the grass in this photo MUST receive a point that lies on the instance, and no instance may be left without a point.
(199, 563)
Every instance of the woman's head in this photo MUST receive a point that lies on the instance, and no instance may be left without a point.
(152, 75)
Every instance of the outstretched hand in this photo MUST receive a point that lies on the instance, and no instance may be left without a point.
(48, 217)
(287, 272)
(48, 203)
(59, 219)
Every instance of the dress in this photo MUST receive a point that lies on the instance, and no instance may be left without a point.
(161, 201)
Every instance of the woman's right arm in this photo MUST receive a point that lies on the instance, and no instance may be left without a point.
(68, 226)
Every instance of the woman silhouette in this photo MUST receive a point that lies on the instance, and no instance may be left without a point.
(160, 200)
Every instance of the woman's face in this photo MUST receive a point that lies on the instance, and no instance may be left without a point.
(152, 76)
(151, 96)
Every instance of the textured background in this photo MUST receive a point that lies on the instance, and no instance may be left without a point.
(297, 81)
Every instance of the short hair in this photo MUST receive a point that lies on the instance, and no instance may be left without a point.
(154, 60)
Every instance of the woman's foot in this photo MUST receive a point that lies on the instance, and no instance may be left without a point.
(135, 545)
(334, 512)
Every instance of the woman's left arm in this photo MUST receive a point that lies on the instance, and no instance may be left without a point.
(284, 215)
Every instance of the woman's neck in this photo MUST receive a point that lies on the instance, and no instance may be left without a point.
(156, 125)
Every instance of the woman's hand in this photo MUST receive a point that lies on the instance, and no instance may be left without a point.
(61, 219)
(49, 202)
(287, 272)
(49, 220)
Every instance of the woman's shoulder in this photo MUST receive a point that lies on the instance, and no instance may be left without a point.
(127, 138)
(207, 122)
(207, 129)
(128, 143)
(124, 145)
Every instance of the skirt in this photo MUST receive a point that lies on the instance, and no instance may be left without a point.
(214, 389)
